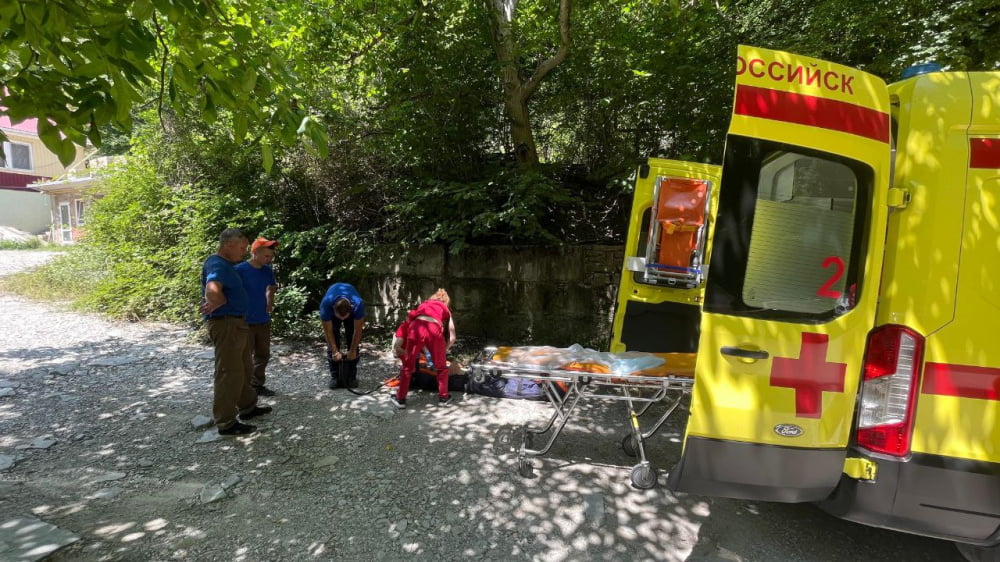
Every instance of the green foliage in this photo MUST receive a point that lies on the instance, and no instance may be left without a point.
(879, 37)
(509, 207)
(290, 317)
(144, 228)
(29, 244)
(309, 260)
(79, 66)
(163, 208)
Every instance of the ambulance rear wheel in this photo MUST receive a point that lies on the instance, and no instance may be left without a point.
(644, 476)
(630, 446)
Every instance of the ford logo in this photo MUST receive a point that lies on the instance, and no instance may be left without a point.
(788, 430)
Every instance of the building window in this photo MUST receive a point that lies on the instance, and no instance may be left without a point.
(16, 156)
(79, 212)
(65, 227)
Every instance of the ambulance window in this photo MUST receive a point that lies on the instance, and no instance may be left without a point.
(788, 235)
(804, 216)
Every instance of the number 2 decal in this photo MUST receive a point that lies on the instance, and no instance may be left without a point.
(826, 289)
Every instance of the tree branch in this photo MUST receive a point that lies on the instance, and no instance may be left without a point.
(565, 41)
(163, 66)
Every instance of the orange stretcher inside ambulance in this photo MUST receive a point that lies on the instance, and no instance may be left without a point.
(848, 350)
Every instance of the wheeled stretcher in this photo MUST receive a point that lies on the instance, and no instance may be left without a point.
(569, 376)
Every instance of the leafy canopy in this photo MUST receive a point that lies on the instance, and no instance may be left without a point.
(77, 65)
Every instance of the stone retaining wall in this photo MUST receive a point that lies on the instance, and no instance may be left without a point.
(504, 295)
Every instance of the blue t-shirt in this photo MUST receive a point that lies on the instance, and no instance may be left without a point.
(256, 281)
(335, 293)
(216, 268)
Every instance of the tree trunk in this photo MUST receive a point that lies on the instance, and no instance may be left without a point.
(521, 135)
(517, 92)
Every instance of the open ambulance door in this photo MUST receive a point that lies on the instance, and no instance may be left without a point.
(662, 278)
(793, 281)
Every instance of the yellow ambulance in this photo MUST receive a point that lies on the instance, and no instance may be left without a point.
(848, 351)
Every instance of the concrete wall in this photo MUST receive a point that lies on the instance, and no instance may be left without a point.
(24, 210)
(546, 296)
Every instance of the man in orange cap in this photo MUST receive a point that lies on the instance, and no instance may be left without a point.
(261, 284)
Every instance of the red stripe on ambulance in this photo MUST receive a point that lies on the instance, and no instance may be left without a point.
(813, 111)
(963, 381)
(984, 153)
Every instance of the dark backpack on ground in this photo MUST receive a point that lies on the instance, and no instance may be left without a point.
(424, 378)
(499, 386)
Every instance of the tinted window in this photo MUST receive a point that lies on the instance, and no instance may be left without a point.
(789, 234)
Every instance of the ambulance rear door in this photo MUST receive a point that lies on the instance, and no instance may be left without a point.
(793, 280)
(662, 276)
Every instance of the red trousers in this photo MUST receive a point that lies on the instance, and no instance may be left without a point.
(421, 334)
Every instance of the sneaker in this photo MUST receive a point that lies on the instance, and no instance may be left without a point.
(444, 401)
(264, 391)
(238, 429)
(401, 404)
(257, 411)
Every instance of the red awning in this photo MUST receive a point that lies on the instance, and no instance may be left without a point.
(19, 182)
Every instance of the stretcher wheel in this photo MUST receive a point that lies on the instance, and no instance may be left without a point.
(630, 446)
(504, 441)
(644, 476)
(525, 468)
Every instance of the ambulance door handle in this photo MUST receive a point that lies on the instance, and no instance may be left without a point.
(744, 353)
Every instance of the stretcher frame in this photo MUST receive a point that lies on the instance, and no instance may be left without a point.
(639, 391)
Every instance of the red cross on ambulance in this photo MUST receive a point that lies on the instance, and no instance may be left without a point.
(810, 375)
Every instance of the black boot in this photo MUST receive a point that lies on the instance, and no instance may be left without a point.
(350, 374)
(335, 372)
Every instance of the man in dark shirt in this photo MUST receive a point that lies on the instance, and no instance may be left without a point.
(224, 306)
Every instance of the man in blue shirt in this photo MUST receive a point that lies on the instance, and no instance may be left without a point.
(224, 306)
(260, 284)
(342, 306)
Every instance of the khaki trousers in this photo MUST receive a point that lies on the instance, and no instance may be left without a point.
(233, 366)
(260, 348)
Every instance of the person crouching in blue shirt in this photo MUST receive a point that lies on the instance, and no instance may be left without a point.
(342, 306)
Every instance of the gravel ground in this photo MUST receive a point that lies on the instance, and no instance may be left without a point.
(96, 421)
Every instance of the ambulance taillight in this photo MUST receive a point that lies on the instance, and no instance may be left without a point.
(889, 390)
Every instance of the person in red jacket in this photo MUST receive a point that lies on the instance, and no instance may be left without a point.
(425, 328)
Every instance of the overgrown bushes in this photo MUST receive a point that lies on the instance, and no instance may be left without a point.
(66, 278)
(29, 244)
